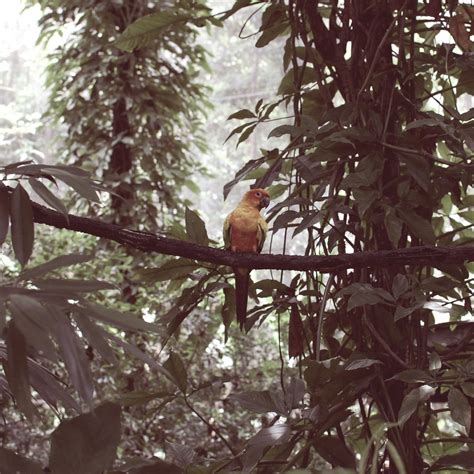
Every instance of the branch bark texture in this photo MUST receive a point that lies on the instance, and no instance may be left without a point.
(148, 242)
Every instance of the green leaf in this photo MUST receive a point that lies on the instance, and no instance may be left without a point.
(81, 185)
(265, 401)
(242, 173)
(363, 298)
(23, 231)
(468, 388)
(419, 226)
(86, 443)
(245, 134)
(394, 226)
(276, 434)
(74, 356)
(4, 212)
(49, 388)
(196, 228)
(94, 336)
(361, 364)
(238, 5)
(287, 85)
(465, 82)
(400, 286)
(460, 408)
(413, 376)
(285, 130)
(147, 28)
(267, 437)
(47, 196)
(137, 398)
(54, 264)
(419, 169)
(411, 400)
(12, 463)
(175, 366)
(461, 460)
(16, 371)
(242, 114)
(71, 286)
(116, 318)
(271, 33)
(334, 451)
(365, 198)
(170, 270)
(35, 322)
(402, 312)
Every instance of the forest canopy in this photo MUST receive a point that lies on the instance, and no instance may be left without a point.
(119, 344)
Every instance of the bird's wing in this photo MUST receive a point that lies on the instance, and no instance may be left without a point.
(227, 232)
(262, 230)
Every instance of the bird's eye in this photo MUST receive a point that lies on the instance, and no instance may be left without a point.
(258, 194)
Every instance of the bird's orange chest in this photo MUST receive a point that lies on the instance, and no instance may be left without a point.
(244, 230)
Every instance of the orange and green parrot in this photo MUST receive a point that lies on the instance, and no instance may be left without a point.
(245, 231)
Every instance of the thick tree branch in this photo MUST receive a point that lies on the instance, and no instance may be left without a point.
(148, 242)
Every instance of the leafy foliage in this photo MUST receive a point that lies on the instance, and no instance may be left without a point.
(378, 156)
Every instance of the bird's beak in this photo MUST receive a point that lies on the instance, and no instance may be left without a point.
(264, 202)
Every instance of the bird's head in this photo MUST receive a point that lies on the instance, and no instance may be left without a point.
(258, 198)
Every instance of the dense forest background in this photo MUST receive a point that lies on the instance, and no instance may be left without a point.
(120, 352)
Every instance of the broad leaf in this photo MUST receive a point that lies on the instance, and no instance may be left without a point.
(94, 336)
(12, 463)
(73, 286)
(413, 376)
(361, 364)
(16, 371)
(412, 400)
(242, 114)
(195, 228)
(147, 28)
(35, 323)
(419, 226)
(266, 401)
(74, 356)
(23, 231)
(170, 270)
(175, 366)
(47, 196)
(116, 318)
(271, 436)
(54, 264)
(461, 460)
(49, 387)
(400, 286)
(82, 185)
(87, 443)
(460, 408)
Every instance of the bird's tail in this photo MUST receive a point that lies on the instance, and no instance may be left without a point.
(242, 278)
